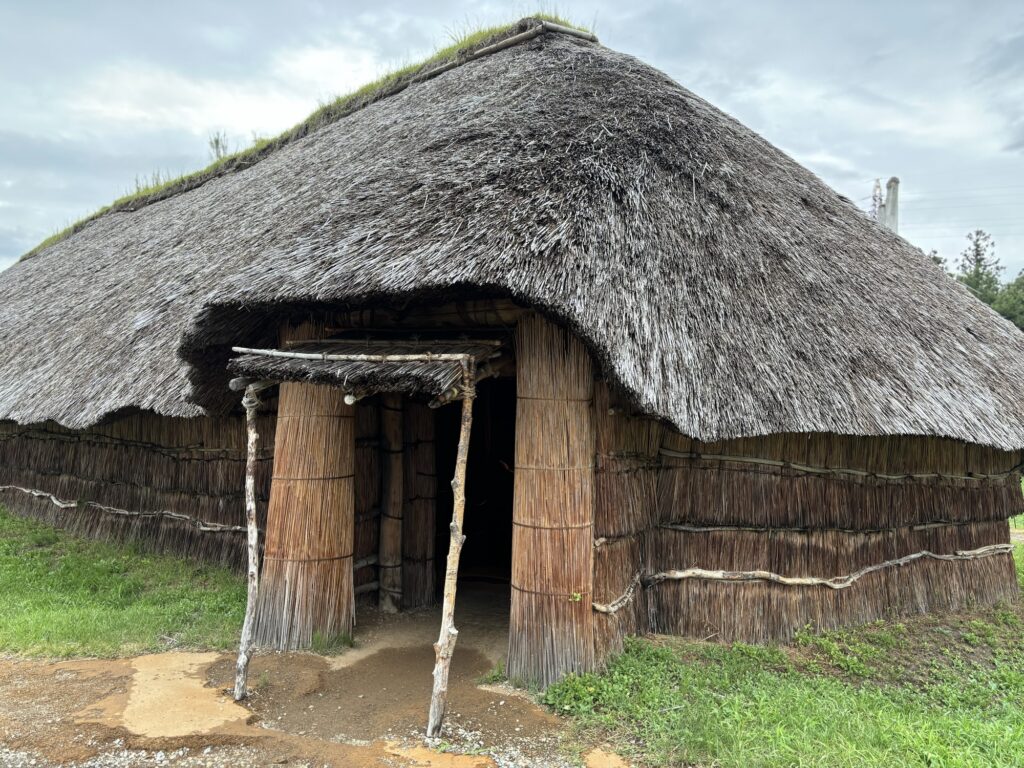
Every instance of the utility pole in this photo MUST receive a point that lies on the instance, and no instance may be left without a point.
(887, 212)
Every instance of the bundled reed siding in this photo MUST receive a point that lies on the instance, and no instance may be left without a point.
(129, 475)
(392, 452)
(307, 583)
(794, 522)
(551, 624)
(625, 508)
(418, 521)
(367, 496)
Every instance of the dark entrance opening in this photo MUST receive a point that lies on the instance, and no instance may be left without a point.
(487, 553)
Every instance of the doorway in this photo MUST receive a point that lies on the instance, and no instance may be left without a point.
(487, 552)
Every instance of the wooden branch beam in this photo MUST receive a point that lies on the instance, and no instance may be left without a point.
(251, 403)
(384, 343)
(426, 357)
(200, 525)
(837, 582)
(242, 383)
(390, 550)
(684, 528)
(623, 600)
(372, 586)
(486, 371)
(445, 645)
(835, 470)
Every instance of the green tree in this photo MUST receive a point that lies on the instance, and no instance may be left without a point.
(1010, 301)
(941, 261)
(978, 267)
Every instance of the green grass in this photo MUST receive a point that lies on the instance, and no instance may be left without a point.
(494, 675)
(64, 596)
(160, 186)
(331, 645)
(935, 690)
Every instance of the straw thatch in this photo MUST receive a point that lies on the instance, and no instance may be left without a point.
(720, 286)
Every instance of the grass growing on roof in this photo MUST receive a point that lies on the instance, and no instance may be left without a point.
(934, 690)
(64, 596)
(158, 187)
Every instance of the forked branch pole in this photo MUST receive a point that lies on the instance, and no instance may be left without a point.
(445, 645)
(251, 402)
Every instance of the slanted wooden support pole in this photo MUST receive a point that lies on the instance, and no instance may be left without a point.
(250, 402)
(390, 558)
(445, 645)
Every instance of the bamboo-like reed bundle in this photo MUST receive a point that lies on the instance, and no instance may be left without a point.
(368, 494)
(419, 580)
(551, 622)
(392, 504)
(307, 585)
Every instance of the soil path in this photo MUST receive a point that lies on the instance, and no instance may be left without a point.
(364, 707)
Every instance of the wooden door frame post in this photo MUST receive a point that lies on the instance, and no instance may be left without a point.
(445, 645)
(251, 402)
(389, 557)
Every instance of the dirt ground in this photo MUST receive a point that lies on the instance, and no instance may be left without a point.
(364, 707)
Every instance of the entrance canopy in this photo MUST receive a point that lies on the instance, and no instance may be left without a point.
(297, 524)
(363, 368)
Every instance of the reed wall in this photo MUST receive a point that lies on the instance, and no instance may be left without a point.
(835, 505)
(306, 588)
(419, 578)
(625, 507)
(368, 490)
(153, 480)
(551, 628)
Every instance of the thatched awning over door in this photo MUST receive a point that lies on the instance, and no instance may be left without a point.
(363, 368)
(446, 370)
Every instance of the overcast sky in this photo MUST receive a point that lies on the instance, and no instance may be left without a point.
(94, 95)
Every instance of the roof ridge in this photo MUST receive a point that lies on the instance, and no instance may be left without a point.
(516, 33)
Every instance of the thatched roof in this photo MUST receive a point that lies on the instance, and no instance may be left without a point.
(719, 284)
(367, 367)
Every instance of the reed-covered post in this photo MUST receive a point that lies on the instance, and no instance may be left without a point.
(390, 552)
(251, 403)
(445, 645)
(418, 520)
(551, 622)
(307, 585)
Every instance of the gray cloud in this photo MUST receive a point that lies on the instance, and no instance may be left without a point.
(932, 92)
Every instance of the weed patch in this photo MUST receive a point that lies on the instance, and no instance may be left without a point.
(941, 690)
(65, 596)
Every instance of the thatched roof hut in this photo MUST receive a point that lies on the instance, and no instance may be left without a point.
(782, 387)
